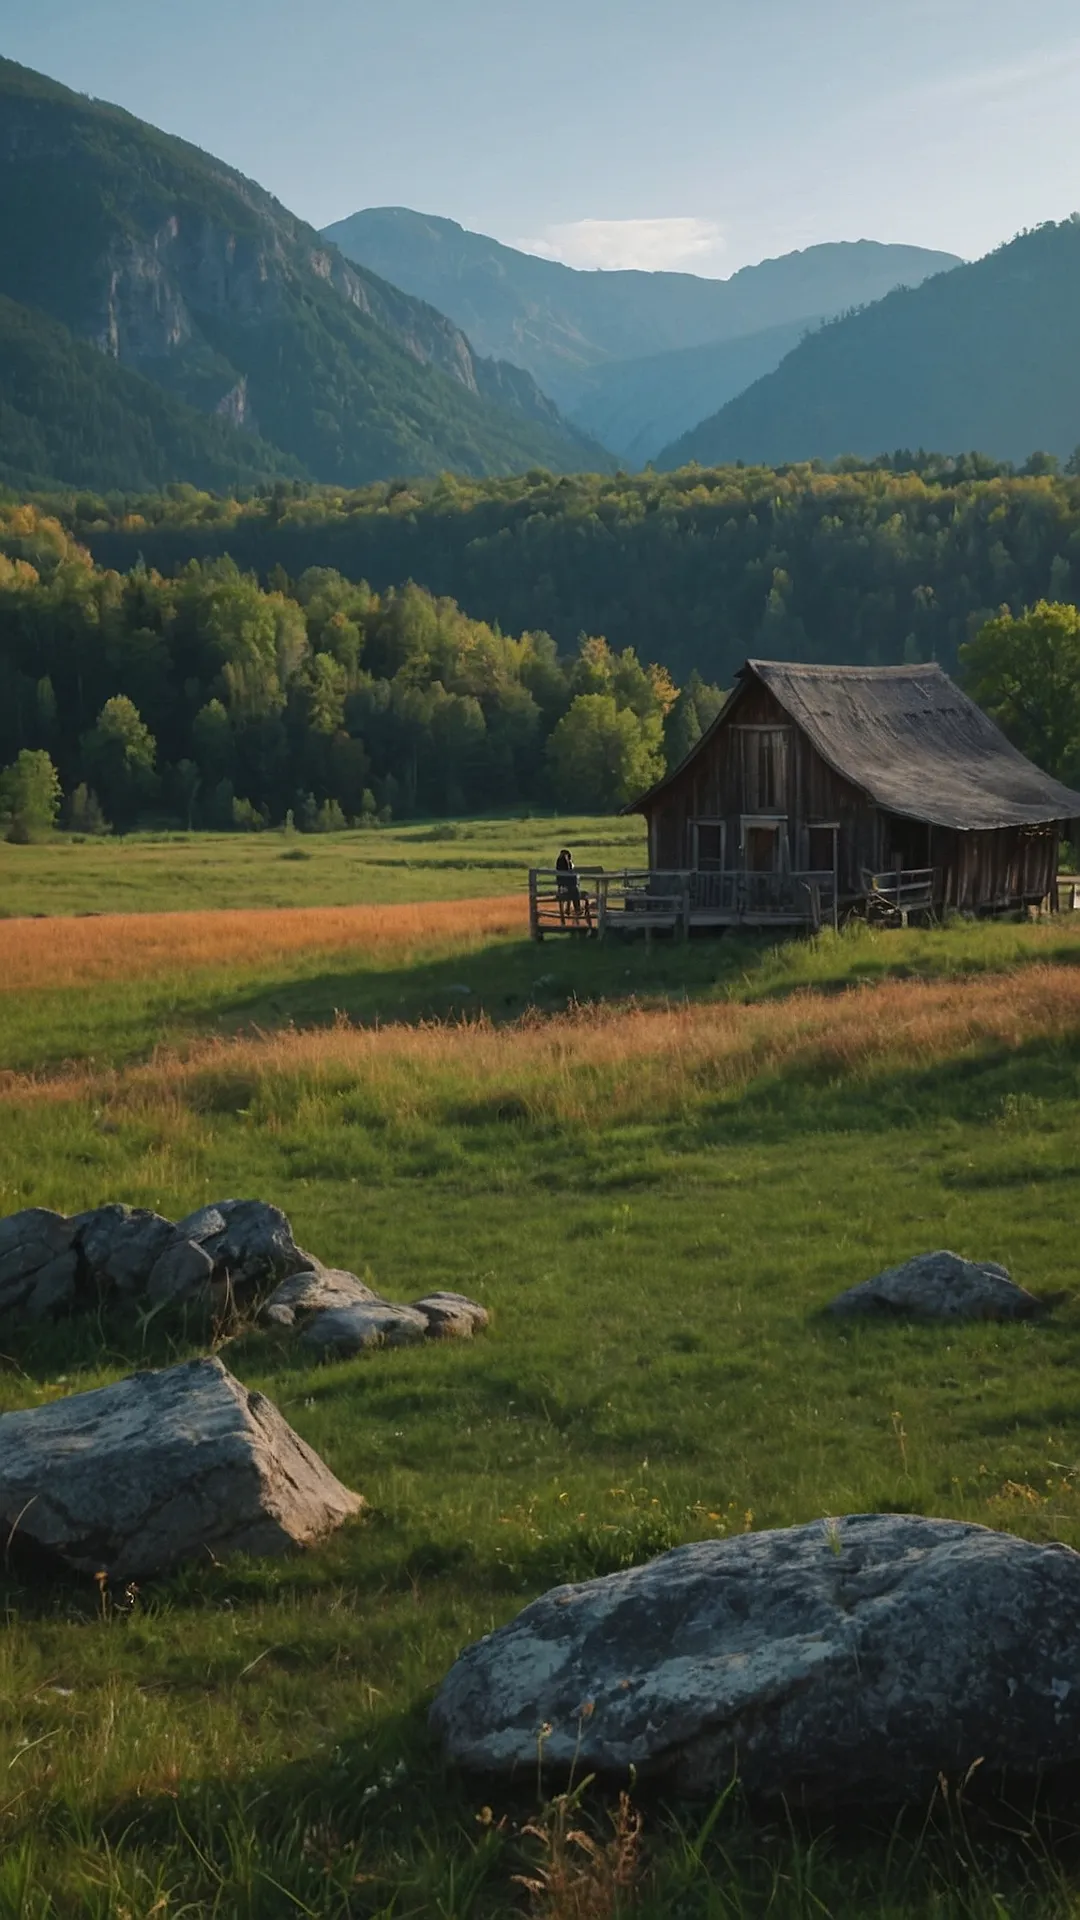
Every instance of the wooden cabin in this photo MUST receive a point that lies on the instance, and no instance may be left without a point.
(822, 790)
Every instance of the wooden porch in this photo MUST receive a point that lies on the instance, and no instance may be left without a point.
(595, 902)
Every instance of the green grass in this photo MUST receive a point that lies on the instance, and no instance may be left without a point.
(438, 860)
(250, 1739)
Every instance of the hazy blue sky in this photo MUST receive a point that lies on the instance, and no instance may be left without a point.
(698, 133)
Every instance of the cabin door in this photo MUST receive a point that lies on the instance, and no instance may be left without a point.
(765, 843)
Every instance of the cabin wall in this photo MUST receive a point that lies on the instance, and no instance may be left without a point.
(759, 763)
(1009, 866)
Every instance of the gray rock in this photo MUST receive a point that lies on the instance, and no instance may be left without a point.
(316, 1291)
(848, 1661)
(451, 1316)
(342, 1331)
(181, 1273)
(120, 1244)
(29, 1241)
(53, 1286)
(250, 1243)
(163, 1467)
(33, 1224)
(940, 1286)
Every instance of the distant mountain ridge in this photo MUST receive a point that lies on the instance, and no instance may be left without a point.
(175, 266)
(984, 358)
(570, 327)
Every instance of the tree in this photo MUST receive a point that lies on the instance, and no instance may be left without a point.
(600, 756)
(30, 795)
(1025, 672)
(119, 754)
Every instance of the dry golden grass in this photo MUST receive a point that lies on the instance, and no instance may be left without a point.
(608, 1062)
(124, 946)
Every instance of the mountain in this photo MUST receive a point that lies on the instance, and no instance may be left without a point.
(70, 415)
(984, 357)
(634, 406)
(176, 267)
(562, 323)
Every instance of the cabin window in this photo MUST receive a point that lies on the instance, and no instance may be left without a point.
(821, 848)
(706, 848)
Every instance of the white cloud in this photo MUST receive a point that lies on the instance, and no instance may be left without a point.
(684, 243)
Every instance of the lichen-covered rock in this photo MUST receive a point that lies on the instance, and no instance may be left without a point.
(29, 1241)
(162, 1467)
(940, 1286)
(851, 1660)
(451, 1316)
(315, 1291)
(342, 1331)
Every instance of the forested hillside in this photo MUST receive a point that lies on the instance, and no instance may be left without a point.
(696, 569)
(561, 321)
(172, 265)
(68, 410)
(985, 356)
(208, 700)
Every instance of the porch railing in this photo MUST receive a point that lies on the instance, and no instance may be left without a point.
(592, 900)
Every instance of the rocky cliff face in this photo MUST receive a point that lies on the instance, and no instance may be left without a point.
(178, 267)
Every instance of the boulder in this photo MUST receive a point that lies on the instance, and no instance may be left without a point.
(342, 1331)
(181, 1273)
(29, 1242)
(249, 1242)
(451, 1316)
(848, 1661)
(53, 1286)
(940, 1286)
(162, 1467)
(314, 1291)
(120, 1244)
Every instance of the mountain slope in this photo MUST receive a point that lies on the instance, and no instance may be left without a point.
(560, 323)
(635, 406)
(984, 357)
(68, 413)
(174, 265)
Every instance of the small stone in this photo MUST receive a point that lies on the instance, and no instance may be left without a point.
(451, 1316)
(347, 1330)
(940, 1286)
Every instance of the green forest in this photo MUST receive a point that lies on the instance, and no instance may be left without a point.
(211, 701)
(430, 649)
(902, 560)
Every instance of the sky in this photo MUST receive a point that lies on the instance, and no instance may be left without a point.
(692, 134)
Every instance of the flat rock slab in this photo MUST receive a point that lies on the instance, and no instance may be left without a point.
(451, 1316)
(940, 1286)
(342, 1331)
(162, 1467)
(849, 1661)
(317, 1291)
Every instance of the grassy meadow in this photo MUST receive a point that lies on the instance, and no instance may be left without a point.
(384, 866)
(654, 1166)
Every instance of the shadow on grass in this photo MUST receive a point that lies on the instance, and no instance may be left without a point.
(381, 1825)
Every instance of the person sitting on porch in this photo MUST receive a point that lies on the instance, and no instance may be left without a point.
(567, 884)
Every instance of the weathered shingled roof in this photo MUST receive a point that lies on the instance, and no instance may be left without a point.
(912, 741)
